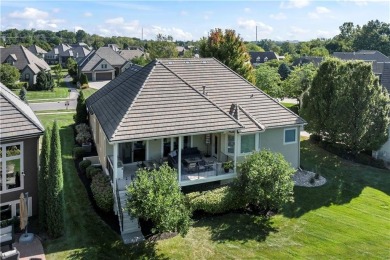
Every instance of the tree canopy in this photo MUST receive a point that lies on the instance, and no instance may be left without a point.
(346, 104)
(269, 81)
(228, 48)
(9, 75)
(162, 47)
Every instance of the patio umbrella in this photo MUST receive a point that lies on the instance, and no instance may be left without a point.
(23, 212)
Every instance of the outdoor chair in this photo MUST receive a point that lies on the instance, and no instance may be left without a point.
(7, 236)
(201, 165)
(10, 255)
(191, 167)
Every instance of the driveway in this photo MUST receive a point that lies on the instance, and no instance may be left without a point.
(98, 84)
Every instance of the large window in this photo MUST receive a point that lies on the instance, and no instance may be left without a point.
(230, 144)
(11, 166)
(248, 143)
(290, 136)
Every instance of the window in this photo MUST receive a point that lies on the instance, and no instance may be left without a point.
(290, 136)
(248, 143)
(167, 146)
(186, 141)
(230, 145)
(27, 76)
(104, 66)
(11, 166)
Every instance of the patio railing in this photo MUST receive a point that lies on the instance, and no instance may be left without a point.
(119, 204)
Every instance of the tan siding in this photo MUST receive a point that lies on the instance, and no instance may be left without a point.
(155, 149)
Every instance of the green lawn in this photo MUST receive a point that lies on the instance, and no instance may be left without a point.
(88, 92)
(349, 217)
(293, 107)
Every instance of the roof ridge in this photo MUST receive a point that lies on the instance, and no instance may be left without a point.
(208, 99)
(3, 88)
(135, 98)
(258, 89)
(254, 120)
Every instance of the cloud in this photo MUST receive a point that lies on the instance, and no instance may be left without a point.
(115, 21)
(183, 13)
(294, 4)
(247, 10)
(77, 28)
(278, 16)
(87, 14)
(298, 30)
(207, 14)
(326, 34)
(29, 14)
(320, 10)
(56, 10)
(251, 24)
(176, 33)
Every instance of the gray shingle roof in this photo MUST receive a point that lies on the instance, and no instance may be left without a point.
(59, 49)
(131, 54)
(35, 49)
(111, 56)
(16, 117)
(24, 57)
(165, 98)
(385, 77)
(259, 56)
(362, 55)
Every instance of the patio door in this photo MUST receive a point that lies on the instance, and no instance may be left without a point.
(214, 145)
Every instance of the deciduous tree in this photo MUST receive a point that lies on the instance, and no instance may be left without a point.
(284, 70)
(163, 47)
(9, 75)
(228, 48)
(268, 80)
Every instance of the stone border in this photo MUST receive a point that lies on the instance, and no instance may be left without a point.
(302, 178)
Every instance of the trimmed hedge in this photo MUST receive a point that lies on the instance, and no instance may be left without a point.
(216, 201)
(83, 127)
(78, 152)
(102, 192)
(93, 172)
(84, 164)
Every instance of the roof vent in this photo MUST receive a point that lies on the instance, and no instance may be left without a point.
(204, 61)
(252, 96)
(170, 62)
(204, 90)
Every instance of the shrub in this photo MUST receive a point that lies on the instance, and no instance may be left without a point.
(93, 172)
(84, 164)
(43, 176)
(215, 201)
(83, 79)
(82, 128)
(81, 115)
(312, 180)
(316, 176)
(265, 180)
(83, 137)
(102, 192)
(78, 152)
(89, 169)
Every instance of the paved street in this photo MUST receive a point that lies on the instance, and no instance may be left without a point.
(55, 105)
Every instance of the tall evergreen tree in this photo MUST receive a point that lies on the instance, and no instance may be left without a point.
(43, 177)
(284, 71)
(228, 48)
(22, 94)
(54, 195)
(346, 104)
(81, 115)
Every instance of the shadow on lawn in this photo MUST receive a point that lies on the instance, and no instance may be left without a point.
(237, 227)
(345, 181)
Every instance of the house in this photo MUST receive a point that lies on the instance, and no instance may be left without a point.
(25, 61)
(56, 55)
(180, 50)
(113, 46)
(38, 51)
(103, 64)
(308, 59)
(81, 44)
(195, 114)
(131, 53)
(20, 131)
(77, 53)
(258, 57)
(381, 68)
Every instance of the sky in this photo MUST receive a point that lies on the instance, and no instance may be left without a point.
(190, 20)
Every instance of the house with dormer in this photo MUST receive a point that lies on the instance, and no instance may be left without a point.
(25, 61)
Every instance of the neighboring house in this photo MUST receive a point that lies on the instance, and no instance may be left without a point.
(180, 50)
(131, 54)
(308, 59)
(38, 51)
(193, 113)
(113, 46)
(381, 68)
(81, 44)
(258, 57)
(25, 61)
(77, 53)
(20, 131)
(56, 55)
(103, 64)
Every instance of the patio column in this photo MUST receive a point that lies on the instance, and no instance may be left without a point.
(115, 166)
(235, 150)
(179, 157)
(147, 150)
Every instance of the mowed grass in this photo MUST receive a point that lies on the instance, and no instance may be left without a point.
(88, 92)
(348, 217)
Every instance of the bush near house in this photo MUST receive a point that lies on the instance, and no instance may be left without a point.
(219, 200)
(84, 164)
(81, 115)
(102, 192)
(83, 80)
(43, 177)
(78, 152)
(92, 171)
(82, 128)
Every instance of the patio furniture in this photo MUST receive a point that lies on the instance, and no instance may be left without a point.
(209, 165)
(12, 254)
(191, 167)
(7, 236)
(201, 165)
